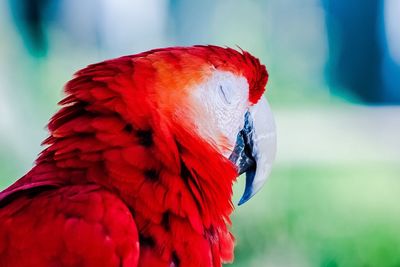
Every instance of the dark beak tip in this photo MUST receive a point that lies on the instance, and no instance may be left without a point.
(242, 201)
(248, 187)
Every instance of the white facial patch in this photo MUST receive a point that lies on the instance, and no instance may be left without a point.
(220, 104)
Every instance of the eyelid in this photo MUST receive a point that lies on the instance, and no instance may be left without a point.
(224, 95)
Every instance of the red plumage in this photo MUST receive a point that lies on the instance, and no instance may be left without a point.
(122, 182)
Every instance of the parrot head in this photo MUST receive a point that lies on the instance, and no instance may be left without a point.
(200, 107)
(217, 93)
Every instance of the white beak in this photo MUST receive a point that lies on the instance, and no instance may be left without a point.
(264, 147)
(255, 148)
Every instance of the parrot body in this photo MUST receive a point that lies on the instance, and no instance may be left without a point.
(68, 226)
(127, 178)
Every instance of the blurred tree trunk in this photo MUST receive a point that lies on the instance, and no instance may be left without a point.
(354, 48)
(30, 19)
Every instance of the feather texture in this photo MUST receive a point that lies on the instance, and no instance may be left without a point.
(121, 170)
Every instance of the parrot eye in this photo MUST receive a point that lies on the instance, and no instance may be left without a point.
(223, 94)
(221, 102)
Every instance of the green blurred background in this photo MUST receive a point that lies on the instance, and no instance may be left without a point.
(333, 197)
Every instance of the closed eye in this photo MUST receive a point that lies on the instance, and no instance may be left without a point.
(221, 89)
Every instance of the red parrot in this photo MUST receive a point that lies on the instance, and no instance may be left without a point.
(139, 163)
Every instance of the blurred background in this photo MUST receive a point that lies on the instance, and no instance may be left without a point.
(333, 197)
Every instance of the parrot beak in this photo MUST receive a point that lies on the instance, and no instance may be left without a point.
(255, 148)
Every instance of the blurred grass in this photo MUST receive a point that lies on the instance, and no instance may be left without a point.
(319, 215)
(322, 215)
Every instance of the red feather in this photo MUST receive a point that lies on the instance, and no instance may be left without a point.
(120, 170)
